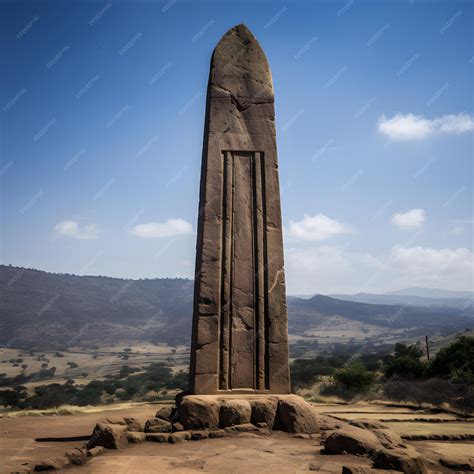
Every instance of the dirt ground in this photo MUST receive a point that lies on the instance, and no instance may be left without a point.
(21, 446)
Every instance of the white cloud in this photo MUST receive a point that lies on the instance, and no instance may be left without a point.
(318, 227)
(75, 231)
(327, 269)
(155, 230)
(429, 267)
(415, 127)
(413, 219)
(332, 269)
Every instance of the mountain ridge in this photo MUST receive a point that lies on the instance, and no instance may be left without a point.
(39, 308)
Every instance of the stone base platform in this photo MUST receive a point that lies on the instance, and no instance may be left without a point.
(289, 413)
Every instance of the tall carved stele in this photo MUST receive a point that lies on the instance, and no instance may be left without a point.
(240, 323)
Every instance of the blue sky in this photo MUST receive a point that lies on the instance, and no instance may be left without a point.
(102, 111)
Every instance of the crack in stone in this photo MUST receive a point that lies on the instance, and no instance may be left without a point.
(278, 273)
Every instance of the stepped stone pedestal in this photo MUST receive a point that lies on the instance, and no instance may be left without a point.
(289, 413)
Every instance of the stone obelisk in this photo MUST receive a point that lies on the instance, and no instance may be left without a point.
(240, 323)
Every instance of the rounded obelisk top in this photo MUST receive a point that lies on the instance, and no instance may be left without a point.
(240, 68)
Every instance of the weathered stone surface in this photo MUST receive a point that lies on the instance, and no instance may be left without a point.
(179, 437)
(133, 424)
(199, 435)
(296, 415)
(177, 427)
(199, 412)
(53, 463)
(216, 434)
(387, 437)
(244, 428)
(408, 461)
(157, 425)
(165, 413)
(240, 328)
(158, 437)
(136, 437)
(234, 412)
(351, 440)
(93, 452)
(77, 456)
(356, 470)
(108, 435)
(327, 423)
(368, 424)
(460, 463)
(265, 411)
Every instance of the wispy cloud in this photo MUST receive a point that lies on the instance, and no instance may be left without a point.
(156, 230)
(73, 230)
(416, 127)
(318, 227)
(413, 219)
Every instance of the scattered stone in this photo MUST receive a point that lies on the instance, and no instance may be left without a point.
(198, 435)
(93, 452)
(262, 425)
(113, 421)
(243, 428)
(110, 436)
(314, 466)
(157, 425)
(388, 438)
(368, 424)
(158, 437)
(234, 412)
(328, 423)
(77, 456)
(165, 413)
(351, 440)
(301, 436)
(53, 463)
(133, 424)
(216, 434)
(265, 411)
(199, 412)
(460, 464)
(356, 470)
(408, 461)
(180, 437)
(296, 415)
(136, 437)
(177, 427)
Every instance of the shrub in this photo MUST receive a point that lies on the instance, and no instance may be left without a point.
(355, 377)
(405, 363)
(456, 361)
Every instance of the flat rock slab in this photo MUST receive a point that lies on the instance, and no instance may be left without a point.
(279, 453)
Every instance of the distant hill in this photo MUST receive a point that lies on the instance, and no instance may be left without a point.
(432, 293)
(394, 299)
(47, 310)
(313, 311)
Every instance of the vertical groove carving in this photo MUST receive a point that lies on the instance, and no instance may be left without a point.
(259, 274)
(265, 272)
(225, 306)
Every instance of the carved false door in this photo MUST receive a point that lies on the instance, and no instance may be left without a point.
(243, 303)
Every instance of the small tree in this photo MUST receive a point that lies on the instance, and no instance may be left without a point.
(355, 377)
(405, 362)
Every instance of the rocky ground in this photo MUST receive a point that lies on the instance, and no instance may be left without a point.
(23, 445)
